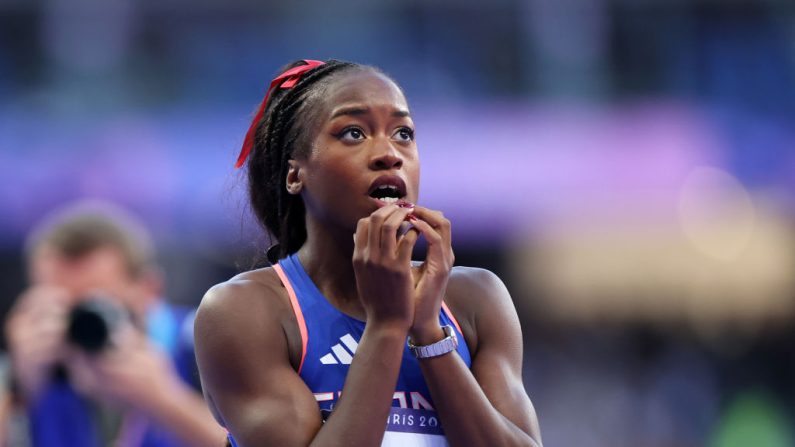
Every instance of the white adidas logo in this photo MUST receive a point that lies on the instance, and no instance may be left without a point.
(339, 354)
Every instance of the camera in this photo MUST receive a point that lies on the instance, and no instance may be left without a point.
(92, 322)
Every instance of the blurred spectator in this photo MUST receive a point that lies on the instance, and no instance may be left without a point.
(135, 386)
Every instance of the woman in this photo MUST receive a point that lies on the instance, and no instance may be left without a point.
(333, 173)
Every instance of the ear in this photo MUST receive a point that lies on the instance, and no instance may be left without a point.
(295, 176)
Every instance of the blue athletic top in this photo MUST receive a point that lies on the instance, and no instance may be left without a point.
(330, 339)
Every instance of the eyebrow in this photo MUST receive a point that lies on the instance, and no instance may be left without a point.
(358, 111)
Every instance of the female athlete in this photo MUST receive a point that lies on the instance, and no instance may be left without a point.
(344, 341)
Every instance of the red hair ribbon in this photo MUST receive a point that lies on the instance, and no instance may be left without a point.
(288, 79)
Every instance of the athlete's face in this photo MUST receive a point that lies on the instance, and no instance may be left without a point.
(364, 155)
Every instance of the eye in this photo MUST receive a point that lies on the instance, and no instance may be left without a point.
(351, 134)
(404, 134)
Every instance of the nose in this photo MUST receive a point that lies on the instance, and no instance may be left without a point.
(385, 157)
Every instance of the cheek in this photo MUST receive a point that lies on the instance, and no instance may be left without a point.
(327, 177)
(412, 168)
(332, 169)
(327, 186)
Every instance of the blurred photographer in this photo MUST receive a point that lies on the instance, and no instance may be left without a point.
(97, 357)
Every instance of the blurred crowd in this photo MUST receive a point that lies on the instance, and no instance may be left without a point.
(626, 166)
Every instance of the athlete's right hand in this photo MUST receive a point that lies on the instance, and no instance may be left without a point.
(35, 331)
(382, 264)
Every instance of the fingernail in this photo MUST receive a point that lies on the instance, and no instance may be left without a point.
(404, 204)
(411, 217)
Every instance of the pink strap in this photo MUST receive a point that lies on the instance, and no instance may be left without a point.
(452, 317)
(299, 315)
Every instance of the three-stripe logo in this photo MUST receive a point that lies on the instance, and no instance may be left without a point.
(339, 354)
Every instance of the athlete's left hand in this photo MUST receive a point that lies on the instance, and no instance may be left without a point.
(432, 275)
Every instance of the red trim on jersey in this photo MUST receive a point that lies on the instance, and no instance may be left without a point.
(299, 315)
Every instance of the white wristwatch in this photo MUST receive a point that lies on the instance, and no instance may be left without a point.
(443, 346)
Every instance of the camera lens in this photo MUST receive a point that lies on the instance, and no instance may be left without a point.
(91, 323)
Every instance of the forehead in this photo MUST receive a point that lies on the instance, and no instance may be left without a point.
(96, 269)
(364, 87)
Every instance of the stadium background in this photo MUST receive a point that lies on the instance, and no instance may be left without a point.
(626, 166)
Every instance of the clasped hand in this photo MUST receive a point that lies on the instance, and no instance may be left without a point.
(391, 290)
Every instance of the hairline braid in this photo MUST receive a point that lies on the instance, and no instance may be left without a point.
(277, 130)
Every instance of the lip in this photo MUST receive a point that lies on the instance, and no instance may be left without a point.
(388, 180)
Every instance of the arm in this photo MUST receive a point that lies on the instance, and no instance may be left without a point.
(136, 375)
(243, 332)
(486, 405)
(244, 363)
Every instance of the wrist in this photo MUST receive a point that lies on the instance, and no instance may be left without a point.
(426, 334)
(388, 328)
(435, 349)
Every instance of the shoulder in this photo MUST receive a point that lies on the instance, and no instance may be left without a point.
(475, 288)
(246, 307)
(247, 344)
(482, 280)
(246, 292)
(477, 296)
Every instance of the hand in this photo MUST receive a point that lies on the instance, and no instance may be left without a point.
(432, 275)
(130, 373)
(382, 264)
(35, 331)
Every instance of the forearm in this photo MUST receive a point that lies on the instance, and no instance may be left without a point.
(360, 416)
(184, 413)
(466, 413)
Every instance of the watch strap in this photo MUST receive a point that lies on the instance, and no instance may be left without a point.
(441, 347)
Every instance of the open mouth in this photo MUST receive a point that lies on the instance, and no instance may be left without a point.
(386, 194)
(388, 189)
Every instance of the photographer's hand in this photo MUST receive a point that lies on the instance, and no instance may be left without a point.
(130, 373)
(135, 374)
(35, 331)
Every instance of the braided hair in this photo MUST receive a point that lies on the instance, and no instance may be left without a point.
(284, 133)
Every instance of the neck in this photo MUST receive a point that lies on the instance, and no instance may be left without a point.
(326, 256)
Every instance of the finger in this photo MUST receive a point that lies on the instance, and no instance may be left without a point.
(39, 352)
(361, 235)
(377, 220)
(436, 220)
(41, 301)
(47, 295)
(430, 234)
(374, 233)
(26, 336)
(406, 245)
(390, 228)
(127, 339)
(436, 243)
